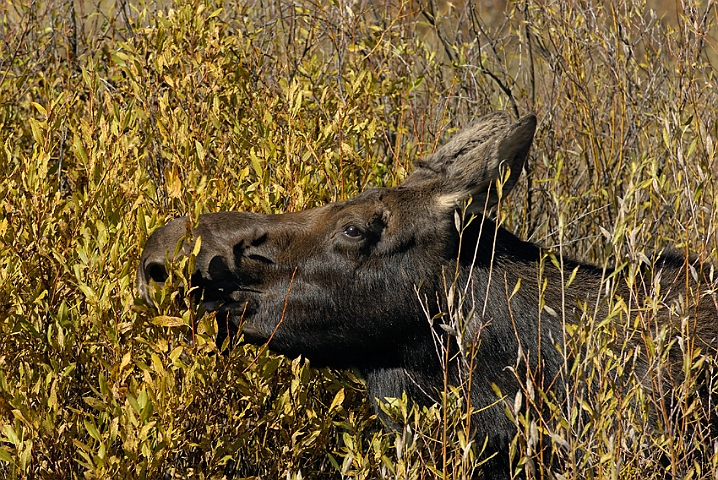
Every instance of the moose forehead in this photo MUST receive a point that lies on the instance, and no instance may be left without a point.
(375, 214)
(396, 208)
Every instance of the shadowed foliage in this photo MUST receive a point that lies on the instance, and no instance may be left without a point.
(116, 117)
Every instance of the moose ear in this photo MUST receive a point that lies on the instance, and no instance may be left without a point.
(469, 163)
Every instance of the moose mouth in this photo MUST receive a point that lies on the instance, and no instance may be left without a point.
(226, 296)
(228, 307)
(236, 303)
(232, 316)
(227, 304)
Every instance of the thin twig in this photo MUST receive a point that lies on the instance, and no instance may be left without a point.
(284, 311)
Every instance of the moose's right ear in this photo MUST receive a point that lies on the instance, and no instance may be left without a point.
(469, 163)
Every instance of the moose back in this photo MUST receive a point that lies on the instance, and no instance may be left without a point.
(363, 283)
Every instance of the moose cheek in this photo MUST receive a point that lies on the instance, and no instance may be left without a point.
(254, 333)
(231, 320)
(256, 327)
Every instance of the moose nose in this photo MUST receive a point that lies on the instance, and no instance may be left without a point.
(152, 272)
(158, 249)
(234, 246)
(156, 272)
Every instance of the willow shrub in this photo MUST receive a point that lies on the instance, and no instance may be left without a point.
(118, 116)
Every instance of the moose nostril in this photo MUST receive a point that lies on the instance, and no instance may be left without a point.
(157, 272)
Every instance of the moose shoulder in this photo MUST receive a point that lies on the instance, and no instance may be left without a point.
(357, 283)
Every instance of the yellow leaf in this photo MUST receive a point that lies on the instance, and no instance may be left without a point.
(167, 321)
(125, 360)
(39, 108)
(338, 399)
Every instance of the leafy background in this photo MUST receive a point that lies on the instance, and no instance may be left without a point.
(117, 116)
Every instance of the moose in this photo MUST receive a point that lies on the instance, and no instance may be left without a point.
(366, 282)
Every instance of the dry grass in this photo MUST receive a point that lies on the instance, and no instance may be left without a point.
(119, 116)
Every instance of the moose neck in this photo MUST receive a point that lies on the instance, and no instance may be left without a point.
(498, 321)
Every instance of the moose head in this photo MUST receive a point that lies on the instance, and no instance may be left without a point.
(365, 282)
(348, 271)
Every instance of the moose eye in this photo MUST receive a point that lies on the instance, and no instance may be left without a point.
(352, 231)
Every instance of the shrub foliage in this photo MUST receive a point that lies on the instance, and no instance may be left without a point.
(117, 116)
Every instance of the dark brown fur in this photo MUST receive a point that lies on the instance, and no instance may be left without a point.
(364, 273)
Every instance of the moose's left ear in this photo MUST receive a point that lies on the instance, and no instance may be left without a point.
(469, 163)
(512, 149)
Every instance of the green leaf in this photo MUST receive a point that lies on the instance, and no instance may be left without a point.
(92, 430)
(79, 149)
(5, 456)
(12, 436)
